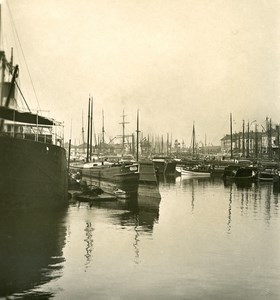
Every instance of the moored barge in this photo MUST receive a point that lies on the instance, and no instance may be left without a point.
(110, 176)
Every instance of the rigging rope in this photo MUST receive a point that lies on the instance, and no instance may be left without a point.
(13, 23)
(22, 96)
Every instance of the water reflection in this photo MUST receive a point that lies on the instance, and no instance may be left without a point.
(197, 186)
(167, 179)
(192, 185)
(202, 182)
(30, 252)
(191, 244)
(89, 243)
(140, 211)
(254, 197)
(138, 214)
(247, 196)
(229, 211)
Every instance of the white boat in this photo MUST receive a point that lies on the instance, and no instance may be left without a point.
(121, 194)
(195, 173)
(179, 169)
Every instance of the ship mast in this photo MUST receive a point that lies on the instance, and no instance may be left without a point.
(3, 61)
(91, 116)
(0, 25)
(123, 128)
(243, 139)
(230, 135)
(103, 130)
(193, 140)
(83, 130)
(88, 131)
(137, 137)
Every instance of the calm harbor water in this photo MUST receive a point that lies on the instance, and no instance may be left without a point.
(203, 240)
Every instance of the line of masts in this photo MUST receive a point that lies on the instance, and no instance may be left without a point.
(159, 144)
(90, 131)
(258, 143)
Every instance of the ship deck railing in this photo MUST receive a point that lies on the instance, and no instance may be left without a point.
(43, 138)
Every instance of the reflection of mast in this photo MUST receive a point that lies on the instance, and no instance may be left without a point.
(192, 196)
(229, 211)
(242, 203)
(136, 239)
(267, 204)
(89, 243)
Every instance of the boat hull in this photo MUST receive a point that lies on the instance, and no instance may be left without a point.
(110, 178)
(148, 183)
(187, 173)
(266, 176)
(33, 174)
(164, 166)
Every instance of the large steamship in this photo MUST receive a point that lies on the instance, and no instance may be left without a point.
(32, 159)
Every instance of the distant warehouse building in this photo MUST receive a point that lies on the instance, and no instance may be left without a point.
(252, 144)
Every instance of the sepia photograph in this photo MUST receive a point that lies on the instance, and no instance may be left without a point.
(140, 149)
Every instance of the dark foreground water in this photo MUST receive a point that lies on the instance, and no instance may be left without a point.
(203, 240)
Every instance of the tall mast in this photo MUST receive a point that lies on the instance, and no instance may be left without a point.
(167, 143)
(230, 135)
(2, 57)
(193, 140)
(270, 140)
(7, 101)
(137, 137)
(243, 139)
(256, 141)
(278, 141)
(83, 130)
(88, 132)
(0, 26)
(123, 128)
(103, 131)
(248, 139)
(205, 144)
(91, 114)
(12, 57)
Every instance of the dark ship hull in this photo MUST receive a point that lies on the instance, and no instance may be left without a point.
(33, 174)
(148, 184)
(164, 166)
(110, 178)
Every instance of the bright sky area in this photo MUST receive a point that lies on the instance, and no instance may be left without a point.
(178, 62)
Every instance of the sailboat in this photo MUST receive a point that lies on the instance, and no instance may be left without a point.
(197, 170)
(110, 173)
(32, 158)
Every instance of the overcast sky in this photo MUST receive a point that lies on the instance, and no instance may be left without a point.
(178, 62)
